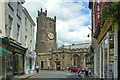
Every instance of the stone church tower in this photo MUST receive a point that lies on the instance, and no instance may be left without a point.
(46, 32)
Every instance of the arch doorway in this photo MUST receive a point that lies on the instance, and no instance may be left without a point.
(57, 65)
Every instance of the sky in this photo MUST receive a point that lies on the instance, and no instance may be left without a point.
(73, 17)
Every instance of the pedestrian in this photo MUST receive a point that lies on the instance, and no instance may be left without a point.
(86, 71)
(37, 69)
(82, 73)
(89, 72)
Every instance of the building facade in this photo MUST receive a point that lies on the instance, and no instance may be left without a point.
(67, 55)
(11, 39)
(27, 34)
(105, 32)
(3, 51)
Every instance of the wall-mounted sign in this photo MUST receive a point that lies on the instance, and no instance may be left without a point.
(104, 29)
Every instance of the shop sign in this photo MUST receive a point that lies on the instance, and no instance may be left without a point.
(16, 50)
(104, 29)
(3, 52)
(30, 54)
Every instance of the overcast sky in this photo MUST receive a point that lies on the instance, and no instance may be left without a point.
(73, 17)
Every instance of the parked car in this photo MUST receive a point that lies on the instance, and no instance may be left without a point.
(73, 69)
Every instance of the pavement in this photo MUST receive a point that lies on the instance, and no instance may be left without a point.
(23, 77)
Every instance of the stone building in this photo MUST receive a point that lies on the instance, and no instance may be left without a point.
(50, 57)
(67, 55)
(46, 35)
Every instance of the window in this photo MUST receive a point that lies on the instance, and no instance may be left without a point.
(18, 30)
(25, 41)
(9, 26)
(31, 29)
(10, 4)
(31, 45)
(25, 23)
(18, 10)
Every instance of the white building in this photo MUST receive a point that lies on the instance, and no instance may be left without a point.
(27, 34)
(11, 14)
(2, 33)
(20, 40)
(2, 18)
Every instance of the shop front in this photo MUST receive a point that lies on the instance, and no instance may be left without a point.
(3, 58)
(17, 57)
(30, 58)
(107, 56)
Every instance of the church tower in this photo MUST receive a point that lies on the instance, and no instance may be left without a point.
(46, 32)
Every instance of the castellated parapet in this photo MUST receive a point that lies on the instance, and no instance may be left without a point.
(45, 14)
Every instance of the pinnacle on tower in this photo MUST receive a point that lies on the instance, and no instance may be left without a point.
(41, 9)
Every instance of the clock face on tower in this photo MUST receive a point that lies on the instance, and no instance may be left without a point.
(50, 36)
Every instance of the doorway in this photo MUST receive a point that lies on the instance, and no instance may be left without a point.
(42, 64)
(58, 66)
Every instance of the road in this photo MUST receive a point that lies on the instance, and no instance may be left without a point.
(54, 75)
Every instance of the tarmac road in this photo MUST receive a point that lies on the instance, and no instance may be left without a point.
(54, 75)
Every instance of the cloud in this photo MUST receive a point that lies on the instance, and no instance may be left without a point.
(73, 18)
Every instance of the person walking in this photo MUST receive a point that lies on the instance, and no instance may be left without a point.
(89, 72)
(86, 71)
(37, 69)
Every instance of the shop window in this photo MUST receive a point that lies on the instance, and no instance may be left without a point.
(30, 67)
(111, 47)
(9, 64)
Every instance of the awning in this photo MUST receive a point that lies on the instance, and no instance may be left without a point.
(3, 52)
